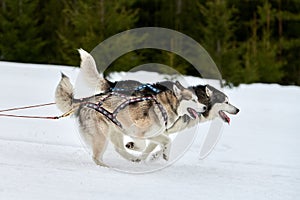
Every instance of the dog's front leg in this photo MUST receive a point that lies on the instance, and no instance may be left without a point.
(165, 142)
(167, 148)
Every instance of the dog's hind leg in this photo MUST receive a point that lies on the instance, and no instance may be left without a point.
(136, 144)
(92, 131)
(118, 140)
(150, 148)
(99, 146)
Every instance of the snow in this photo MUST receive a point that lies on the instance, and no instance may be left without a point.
(257, 156)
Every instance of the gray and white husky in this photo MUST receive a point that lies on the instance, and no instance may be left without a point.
(216, 102)
(140, 115)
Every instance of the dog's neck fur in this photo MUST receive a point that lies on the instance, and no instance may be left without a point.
(168, 99)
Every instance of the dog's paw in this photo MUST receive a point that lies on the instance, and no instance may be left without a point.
(130, 145)
(98, 162)
(166, 157)
(155, 156)
(166, 153)
(137, 160)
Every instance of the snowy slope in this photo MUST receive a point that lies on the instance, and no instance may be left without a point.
(256, 158)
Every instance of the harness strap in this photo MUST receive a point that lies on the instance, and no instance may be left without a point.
(113, 116)
(128, 101)
(105, 112)
(163, 112)
(139, 88)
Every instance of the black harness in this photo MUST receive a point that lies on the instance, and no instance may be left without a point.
(128, 100)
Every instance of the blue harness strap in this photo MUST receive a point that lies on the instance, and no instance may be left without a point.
(139, 88)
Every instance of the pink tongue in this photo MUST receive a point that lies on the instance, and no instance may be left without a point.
(195, 113)
(228, 119)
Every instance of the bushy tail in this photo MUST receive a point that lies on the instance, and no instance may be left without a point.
(64, 94)
(90, 74)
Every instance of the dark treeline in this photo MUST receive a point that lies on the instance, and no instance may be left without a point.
(250, 40)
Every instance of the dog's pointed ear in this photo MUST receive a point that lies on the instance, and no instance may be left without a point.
(208, 91)
(177, 88)
(63, 76)
(178, 84)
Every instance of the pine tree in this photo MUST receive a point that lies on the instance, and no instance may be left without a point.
(49, 20)
(19, 31)
(218, 28)
(261, 64)
(88, 22)
(288, 18)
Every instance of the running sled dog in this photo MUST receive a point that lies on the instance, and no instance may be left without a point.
(215, 101)
(143, 113)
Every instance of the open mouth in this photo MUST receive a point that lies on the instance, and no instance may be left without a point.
(193, 113)
(224, 117)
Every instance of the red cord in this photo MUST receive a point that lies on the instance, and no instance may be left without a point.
(28, 116)
(26, 107)
(32, 117)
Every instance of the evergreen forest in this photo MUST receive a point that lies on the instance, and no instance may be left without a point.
(249, 40)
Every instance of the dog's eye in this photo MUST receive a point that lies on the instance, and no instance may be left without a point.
(226, 100)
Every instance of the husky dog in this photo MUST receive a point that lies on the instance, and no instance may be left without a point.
(217, 104)
(216, 101)
(139, 115)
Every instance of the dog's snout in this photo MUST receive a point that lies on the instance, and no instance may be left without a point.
(237, 110)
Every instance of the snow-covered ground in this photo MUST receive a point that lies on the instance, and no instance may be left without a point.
(257, 156)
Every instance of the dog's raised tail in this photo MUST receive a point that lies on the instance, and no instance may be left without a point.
(64, 94)
(90, 74)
